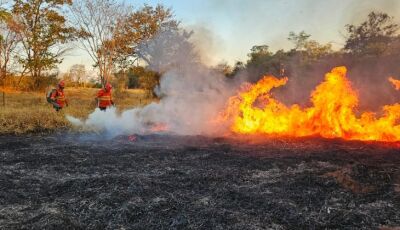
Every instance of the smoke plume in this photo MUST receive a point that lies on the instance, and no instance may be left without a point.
(191, 94)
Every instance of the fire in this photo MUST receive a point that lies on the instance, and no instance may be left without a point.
(395, 82)
(332, 114)
(159, 127)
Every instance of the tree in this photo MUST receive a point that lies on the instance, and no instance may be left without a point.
(138, 29)
(259, 51)
(310, 50)
(372, 36)
(238, 67)
(167, 50)
(97, 21)
(299, 40)
(148, 79)
(315, 51)
(44, 33)
(4, 14)
(10, 38)
(224, 68)
(262, 62)
(77, 73)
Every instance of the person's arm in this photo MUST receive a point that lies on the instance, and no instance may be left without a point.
(53, 95)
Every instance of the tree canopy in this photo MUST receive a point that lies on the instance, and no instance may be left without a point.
(44, 33)
(373, 36)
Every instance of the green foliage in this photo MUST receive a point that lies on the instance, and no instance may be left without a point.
(315, 50)
(43, 31)
(140, 77)
(133, 78)
(120, 81)
(148, 79)
(258, 52)
(310, 50)
(95, 84)
(262, 61)
(373, 36)
(299, 40)
(306, 53)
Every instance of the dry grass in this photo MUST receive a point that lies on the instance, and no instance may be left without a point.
(30, 113)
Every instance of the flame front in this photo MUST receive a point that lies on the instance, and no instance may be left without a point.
(395, 82)
(332, 114)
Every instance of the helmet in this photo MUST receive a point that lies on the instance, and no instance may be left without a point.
(61, 84)
(108, 87)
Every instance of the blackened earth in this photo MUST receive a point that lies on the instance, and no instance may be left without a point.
(67, 181)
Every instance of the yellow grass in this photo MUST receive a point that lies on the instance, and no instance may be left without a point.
(30, 113)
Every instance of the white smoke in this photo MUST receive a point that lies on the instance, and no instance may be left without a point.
(191, 94)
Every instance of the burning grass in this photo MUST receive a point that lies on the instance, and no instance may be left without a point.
(332, 114)
(30, 113)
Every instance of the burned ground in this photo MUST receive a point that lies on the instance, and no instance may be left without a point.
(69, 181)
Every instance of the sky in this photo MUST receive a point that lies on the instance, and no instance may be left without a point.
(225, 30)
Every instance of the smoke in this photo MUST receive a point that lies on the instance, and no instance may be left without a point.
(358, 8)
(208, 44)
(368, 77)
(191, 94)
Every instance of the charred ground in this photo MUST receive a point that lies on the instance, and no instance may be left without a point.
(69, 181)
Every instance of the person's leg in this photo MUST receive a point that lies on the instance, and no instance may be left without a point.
(102, 108)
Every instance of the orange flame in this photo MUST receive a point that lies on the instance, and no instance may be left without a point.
(332, 114)
(395, 82)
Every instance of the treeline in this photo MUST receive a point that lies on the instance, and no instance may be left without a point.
(121, 40)
(371, 52)
(375, 39)
(35, 35)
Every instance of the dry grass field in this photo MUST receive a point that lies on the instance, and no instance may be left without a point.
(29, 112)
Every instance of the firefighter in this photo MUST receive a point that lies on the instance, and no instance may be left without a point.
(104, 98)
(56, 97)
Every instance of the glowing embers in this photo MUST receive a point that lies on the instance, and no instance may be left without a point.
(255, 111)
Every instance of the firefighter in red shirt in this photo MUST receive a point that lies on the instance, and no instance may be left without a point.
(104, 98)
(57, 97)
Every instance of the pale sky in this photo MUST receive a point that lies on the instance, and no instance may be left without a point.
(228, 29)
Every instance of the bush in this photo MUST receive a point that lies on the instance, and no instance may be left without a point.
(27, 83)
(140, 77)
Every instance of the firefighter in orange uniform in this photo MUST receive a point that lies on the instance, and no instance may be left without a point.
(104, 98)
(57, 97)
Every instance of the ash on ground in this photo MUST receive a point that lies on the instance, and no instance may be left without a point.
(175, 182)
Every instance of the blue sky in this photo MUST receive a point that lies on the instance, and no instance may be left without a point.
(227, 29)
